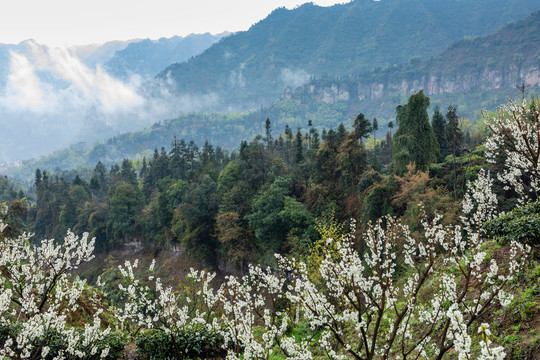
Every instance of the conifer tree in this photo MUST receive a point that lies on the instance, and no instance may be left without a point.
(268, 137)
(438, 123)
(299, 153)
(453, 132)
(414, 141)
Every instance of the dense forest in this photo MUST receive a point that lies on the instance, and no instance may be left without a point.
(268, 196)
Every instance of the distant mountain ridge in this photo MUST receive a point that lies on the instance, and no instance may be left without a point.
(498, 62)
(53, 96)
(148, 57)
(251, 68)
(97, 54)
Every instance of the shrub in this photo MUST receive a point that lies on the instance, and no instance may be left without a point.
(184, 344)
(521, 224)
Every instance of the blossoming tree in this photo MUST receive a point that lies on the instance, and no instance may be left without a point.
(38, 295)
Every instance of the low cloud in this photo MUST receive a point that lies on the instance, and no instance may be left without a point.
(51, 99)
(294, 78)
(23, 88)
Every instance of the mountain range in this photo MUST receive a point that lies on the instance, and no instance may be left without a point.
(325, 64)
(288, 47)
(148, 57)
(474, 73)
(51, 97)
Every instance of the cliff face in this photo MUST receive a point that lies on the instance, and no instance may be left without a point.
(440, 84)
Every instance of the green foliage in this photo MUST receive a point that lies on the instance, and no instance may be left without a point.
(186, 344)
(377, 199)
(438, 123)
(265, 220)
(415, 140)
(9, 190)
(125, 202)
(115, 341)
(522, 224)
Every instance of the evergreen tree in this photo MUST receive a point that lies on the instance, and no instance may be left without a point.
(315, 142)
(439, 128)
(100, 172)
(341, 133)
(299, 149)
(207, 154)
(362, 127)
(414, 141)
(38, 178)
(288, 150)
(144, 168)
(453, 132)
(177, 161)
(268, 138)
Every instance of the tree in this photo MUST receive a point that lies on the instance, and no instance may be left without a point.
(268, 136)
(193, 221)
(299, 148)
(439, 125)
(178, 158)
(39, 297)
(454, 135)
(362, 127)
(414, 141)
(515, 141)
(125, 204)
(127, 172)
(269, 228)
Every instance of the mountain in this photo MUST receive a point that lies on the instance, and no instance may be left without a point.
(51, 97)
(253, 67)
(148, 57)
(474, 72)
(95, 54)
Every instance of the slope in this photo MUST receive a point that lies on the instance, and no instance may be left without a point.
(473, 72)
(252, 67)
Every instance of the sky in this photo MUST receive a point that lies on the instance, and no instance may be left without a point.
(79, 22)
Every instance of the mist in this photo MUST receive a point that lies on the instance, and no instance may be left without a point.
(294, 78)
(50, 99)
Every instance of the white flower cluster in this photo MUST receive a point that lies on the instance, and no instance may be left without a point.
(38, 295)
(516, 143)
(163, 308)
(360, 311)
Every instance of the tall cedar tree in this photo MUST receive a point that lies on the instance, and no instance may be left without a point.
(438, 123)
(414, 141)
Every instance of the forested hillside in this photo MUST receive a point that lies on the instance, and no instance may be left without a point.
(363, 183)
(253, 67)
(415, 231)
(460, 75)
(264, 197)
(474, 72)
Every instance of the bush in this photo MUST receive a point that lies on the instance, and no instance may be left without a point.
(521, 224)
(184, 344)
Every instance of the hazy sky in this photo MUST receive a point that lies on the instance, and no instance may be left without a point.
(69, 22)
